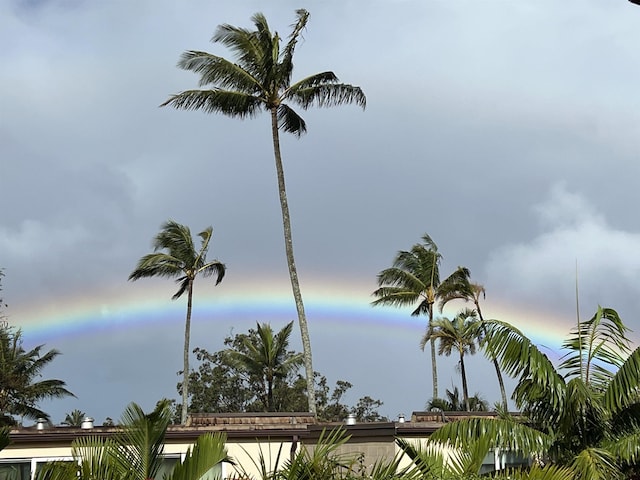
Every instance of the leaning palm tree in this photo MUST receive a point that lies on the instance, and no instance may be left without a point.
(21, 388)
(175, 256)
(415, 278)
(260, 79)
(459, 335)
(584, 415)
(265, 358)
(468, 291)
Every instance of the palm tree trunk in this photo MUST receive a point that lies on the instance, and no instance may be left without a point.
(432, 343)
(293, 273)
(465, 389)
(185, 373)
(503, 392)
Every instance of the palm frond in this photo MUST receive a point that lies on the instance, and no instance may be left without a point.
(231, 103)
(626, 447)
(395, 296)
(455, 287)
(220, 73)
(520, 358)
(325, 460)
(252, 49)
(536, 472)
(286, 59)
(157, 264)
(214, 268)
(623, 389)
(595, 344)
(501, 433)
(5, 441)
(208, 452)
(596, 464)
(141, 441)
(290, 121)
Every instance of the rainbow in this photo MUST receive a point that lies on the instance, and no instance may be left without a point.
(329, 305)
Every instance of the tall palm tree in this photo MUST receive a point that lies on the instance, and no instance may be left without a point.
(265, 358)
(175, 256)
(260, 79)
(415, 278)
(459, 335)
(468, 291)
(584, 415)
(20, 386)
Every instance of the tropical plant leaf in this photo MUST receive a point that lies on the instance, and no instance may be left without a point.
(501, 433)
(597, 347)
(596, 464)
(623, 389)
(539, 382)
(140, 443)
(208, 452)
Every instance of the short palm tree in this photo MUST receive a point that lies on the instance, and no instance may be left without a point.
(74, 418)
(260, 79)
(175, 256)
(468, 291)
(458, 335)
(266, 358)
(584, 416)
(21, 388)
(453, 403)
(415, 278)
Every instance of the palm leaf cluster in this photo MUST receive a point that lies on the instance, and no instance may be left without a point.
(21, 387)
(265, 359)
(583, 415)
(260, 77)
(136, 452)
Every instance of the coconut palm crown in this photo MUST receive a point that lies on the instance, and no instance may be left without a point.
(260, 79)
(175, 256)
(414, 280)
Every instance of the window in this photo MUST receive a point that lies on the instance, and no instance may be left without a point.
(15, 470)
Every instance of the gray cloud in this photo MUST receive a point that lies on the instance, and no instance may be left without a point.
(510, 141)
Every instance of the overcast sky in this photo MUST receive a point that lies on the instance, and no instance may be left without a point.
(508, 131)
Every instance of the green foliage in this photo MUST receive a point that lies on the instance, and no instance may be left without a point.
(264, 360)
(260, 77)
(207, 453)
(236, 380)
(4, 437)
(586, 420)
(324, 460)
(74, 418)
(135, 453)
(454, 403)
(21, 388)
